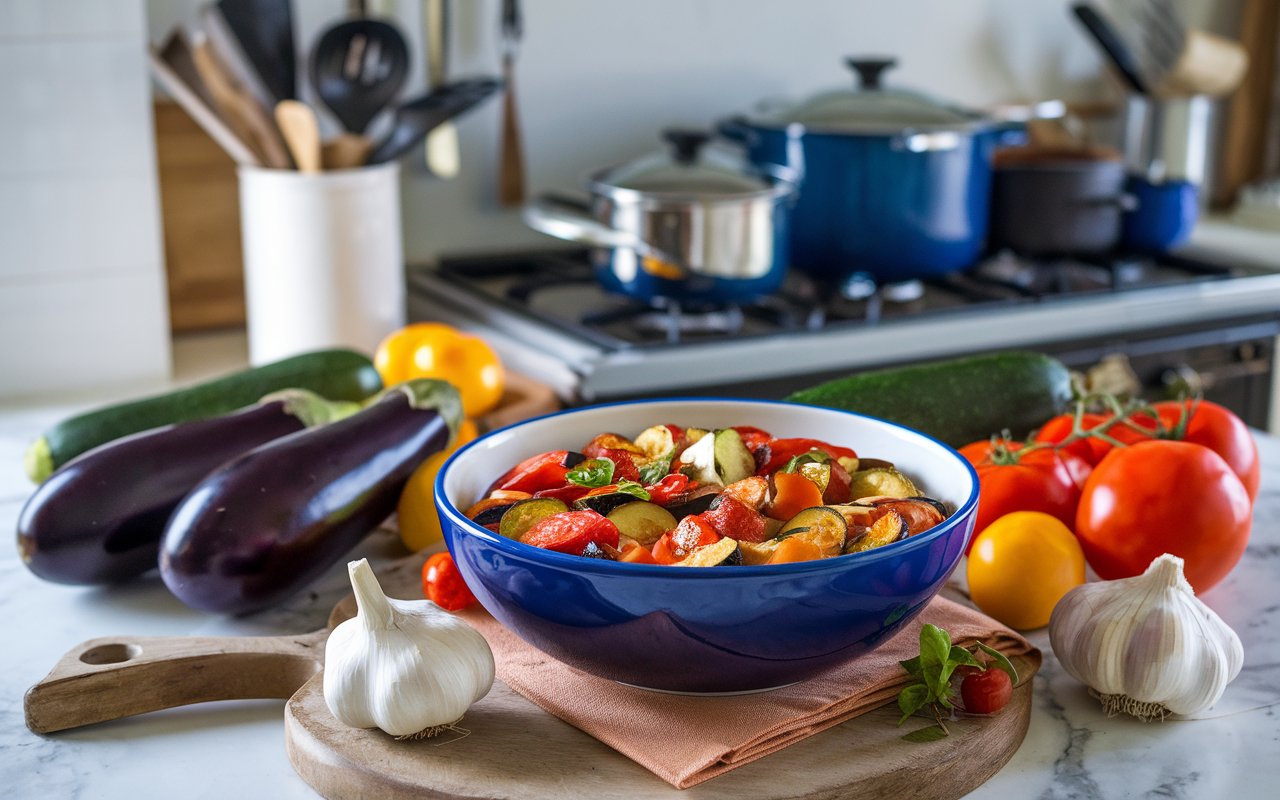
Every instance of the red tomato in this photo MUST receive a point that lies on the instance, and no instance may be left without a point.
(1222, 432)
(565, 494)
(1164, 497)
(731, 517)
(571, 531)
(443, 585)
(986, 691)
(664, 490)
(692, 532)
(839, 485)
(783, 450)
(624, 465)
(1090, 450)
(1044, 480)
(543, 471)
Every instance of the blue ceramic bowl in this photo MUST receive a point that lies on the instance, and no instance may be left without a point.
(713, 629)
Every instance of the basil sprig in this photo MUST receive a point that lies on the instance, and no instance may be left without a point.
(634, 489)
(592, 473)
(656, 469)
(932, 671)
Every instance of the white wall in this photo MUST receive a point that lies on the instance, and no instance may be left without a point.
(598, 79)
(82, 293)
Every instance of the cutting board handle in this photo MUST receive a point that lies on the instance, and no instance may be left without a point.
(114, 677)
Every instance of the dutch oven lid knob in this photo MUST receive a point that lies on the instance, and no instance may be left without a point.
(686, 143)
(869, 70)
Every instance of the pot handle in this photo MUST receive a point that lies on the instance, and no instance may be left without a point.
(736, 129)
(1123, 201)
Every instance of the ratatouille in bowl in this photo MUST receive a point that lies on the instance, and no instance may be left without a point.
(706, 545)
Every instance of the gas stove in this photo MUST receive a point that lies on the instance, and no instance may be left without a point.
(547, 316)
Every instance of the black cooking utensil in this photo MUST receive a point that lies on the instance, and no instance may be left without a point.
(358, 68)
(264, 29)
(416, 118)
(1115, 48)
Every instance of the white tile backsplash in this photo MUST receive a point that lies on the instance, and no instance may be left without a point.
(64, 228)
(71, 18)
(81, 107)
(91, 332)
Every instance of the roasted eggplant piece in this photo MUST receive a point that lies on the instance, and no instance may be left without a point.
(99, 518)
(522, 516)
(490, 512)
(724, 553)
(694, 501)
(268, 523)
(642, 521)
(604, 504)
(920, 513)
(889, 528)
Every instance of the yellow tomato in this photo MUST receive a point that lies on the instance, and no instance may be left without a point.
(434, 350)
(416, 511)
(1020, 567)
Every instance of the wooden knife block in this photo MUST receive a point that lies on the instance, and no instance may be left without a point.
(200, 209)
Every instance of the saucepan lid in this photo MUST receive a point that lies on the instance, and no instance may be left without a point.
(690, 169)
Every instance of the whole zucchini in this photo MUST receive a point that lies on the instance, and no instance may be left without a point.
(334, 374)
(263, 526)
(99, 518)
(958, 401)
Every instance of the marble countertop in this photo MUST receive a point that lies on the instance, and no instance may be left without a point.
(236, 748)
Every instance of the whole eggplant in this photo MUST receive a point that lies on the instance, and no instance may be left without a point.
(268, 523)
(100, 517)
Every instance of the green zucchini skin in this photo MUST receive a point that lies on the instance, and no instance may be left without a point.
(332, 374)
(957, 401)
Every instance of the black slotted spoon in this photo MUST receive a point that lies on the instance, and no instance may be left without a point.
(358, 68)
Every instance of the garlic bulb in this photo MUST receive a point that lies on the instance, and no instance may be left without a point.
(1146, 645)
(407, 667)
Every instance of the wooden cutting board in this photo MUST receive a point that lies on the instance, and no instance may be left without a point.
(517, 750)
(514, 749)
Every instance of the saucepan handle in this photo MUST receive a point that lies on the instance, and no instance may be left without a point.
(1123, 201)
(569, 218)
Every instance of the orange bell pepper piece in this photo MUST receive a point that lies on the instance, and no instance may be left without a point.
(793, 549)
(793, 493)
(637, 554)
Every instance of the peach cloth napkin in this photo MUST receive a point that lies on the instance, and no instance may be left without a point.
(702, 737)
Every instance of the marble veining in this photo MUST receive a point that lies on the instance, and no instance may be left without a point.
(1072, 750)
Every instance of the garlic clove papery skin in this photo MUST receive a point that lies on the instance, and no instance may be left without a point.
(402, 666)
(1146, 645)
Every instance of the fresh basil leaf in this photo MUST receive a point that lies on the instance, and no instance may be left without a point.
(634, 489)
(931, 733)
(961, 657)
(912, 699)
(935, 645)
(656, 470)
(913, 668)
(592, 473)
(1001, 662)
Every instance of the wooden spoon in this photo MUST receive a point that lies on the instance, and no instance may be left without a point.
(346, 151)
(301, 131)
(238, 107)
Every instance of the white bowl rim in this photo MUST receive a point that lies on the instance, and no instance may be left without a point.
(603, 566)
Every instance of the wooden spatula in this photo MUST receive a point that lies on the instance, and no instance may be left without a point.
(301, 132)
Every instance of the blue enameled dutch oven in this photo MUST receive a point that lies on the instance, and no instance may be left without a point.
(892, 183)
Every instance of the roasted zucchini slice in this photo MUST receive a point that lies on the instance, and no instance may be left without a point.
(720, 458)
(822, 526)
(724, 553)
(642, 521)
(522, 516)
(888, 529)
(881, 481)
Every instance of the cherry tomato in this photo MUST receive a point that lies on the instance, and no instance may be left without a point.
(443, 585)
(986, 691)
(1161, 497)
(572, 531)
(534, 474)
(1044, 480)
